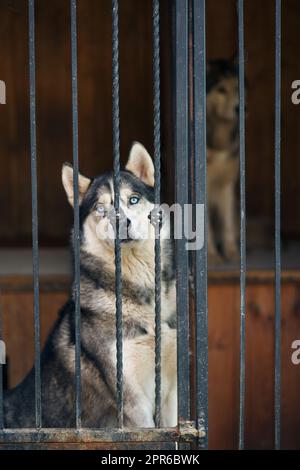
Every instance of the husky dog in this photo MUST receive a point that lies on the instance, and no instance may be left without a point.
(222, 104)
(97, 302)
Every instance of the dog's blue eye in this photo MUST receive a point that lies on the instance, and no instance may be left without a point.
(100, 210)
(134, 200)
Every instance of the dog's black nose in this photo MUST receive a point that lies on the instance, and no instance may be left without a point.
(128, 223)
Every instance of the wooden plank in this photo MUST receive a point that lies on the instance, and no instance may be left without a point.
(17, 310)
(259, 413)
(290, 372)
(223, 368)
(24, 283)
(63, 282)
(256, 276)
(224, 359)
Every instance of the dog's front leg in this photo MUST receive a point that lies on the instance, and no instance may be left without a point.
(138, 390)
(137, 406)
(169, 377)
(228, 220)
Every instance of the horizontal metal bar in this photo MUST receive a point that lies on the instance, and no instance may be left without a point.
(171, 445)
(187, 432)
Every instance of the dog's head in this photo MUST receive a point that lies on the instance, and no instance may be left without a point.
(222, 89)
(96, 205)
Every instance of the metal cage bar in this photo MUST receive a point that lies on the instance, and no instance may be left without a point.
(76, 233)
(181, 195)
(277, 383)
(240, 9)
(117, 180)
(34, 205)
(55, 435)
(156, 113)
(1, 374)
(199, 59)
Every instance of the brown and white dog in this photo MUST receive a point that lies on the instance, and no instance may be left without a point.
(97, 303)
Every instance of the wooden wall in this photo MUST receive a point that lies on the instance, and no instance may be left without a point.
(16, 304)
(224, 337)
(260, 66)
(94, 62)
(54, 103)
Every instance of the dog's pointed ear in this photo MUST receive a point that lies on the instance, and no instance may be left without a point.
(67, 180)
(140, 164)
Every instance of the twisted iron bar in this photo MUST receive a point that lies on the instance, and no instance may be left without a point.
(76, 232)
(157, 250)
(117, 180)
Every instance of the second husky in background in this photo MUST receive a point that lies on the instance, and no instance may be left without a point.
(222, 104)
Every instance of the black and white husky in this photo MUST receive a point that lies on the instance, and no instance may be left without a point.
(97, 299)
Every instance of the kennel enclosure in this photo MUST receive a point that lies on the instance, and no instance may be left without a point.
(190, 169)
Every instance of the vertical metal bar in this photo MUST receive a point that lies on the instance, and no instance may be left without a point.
(34, 204)
(199, 59)
(181, 194)
(156, 113)
(1, 373)
(277, 223)
(117, 179)
(76, 232)
(240, 6)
